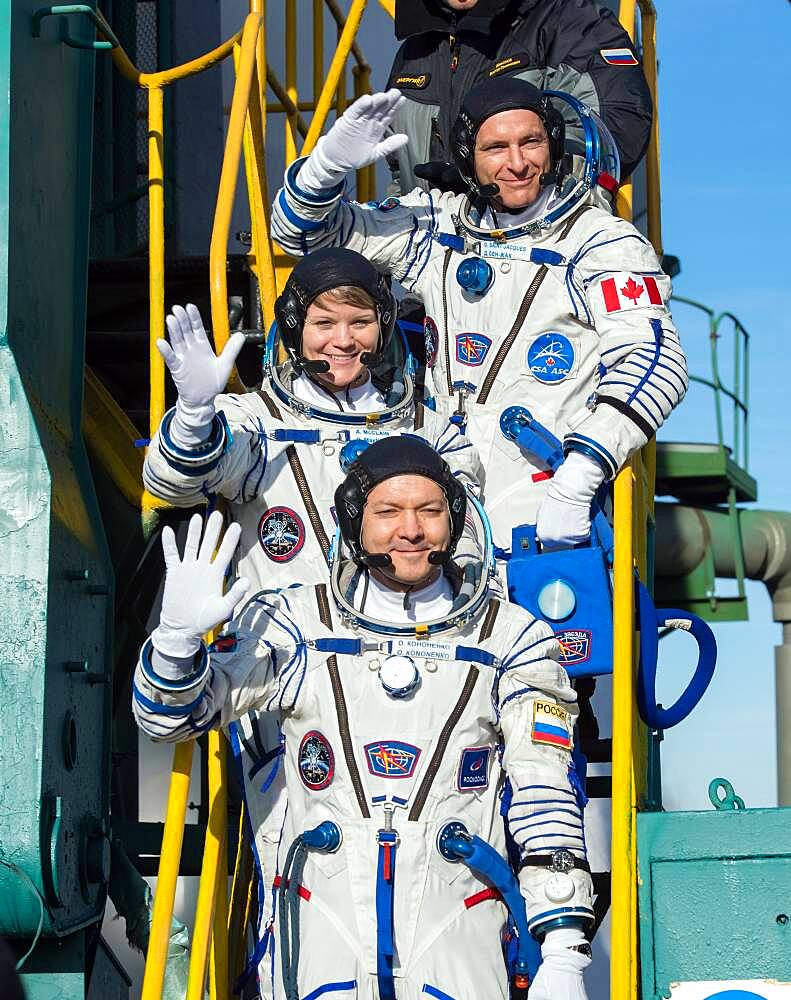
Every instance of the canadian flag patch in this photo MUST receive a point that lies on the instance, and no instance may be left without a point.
(625, 290)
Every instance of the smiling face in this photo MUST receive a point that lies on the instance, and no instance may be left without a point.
(512, 151)
(340, 326)
(407, 518)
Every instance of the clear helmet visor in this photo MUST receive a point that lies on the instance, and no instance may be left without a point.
(473, 582)
(591, 149)
(396, 356)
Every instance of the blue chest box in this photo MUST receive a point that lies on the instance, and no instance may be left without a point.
(571, 590)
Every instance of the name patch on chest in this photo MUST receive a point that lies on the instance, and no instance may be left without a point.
(427, 649)
(281, 533)
(392, 758)
(551, 725)
(550, 358)
(472, 348)
(474, 769)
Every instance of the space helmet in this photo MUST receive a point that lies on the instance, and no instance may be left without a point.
(584, 159)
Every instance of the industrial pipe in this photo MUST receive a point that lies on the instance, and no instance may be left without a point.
(683, 535)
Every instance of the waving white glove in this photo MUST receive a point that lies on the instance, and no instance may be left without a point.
(356, 139)
(564, 517)
(193, 601)
(198, 373)
(560, 974)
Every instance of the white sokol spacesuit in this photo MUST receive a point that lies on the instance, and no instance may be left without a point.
(276, 454)
(399, 739)
(559, 308)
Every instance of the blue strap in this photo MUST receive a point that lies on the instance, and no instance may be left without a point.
(538, 256)
(471, 654)
(347, 647)
(253, 962)
(384, 915)
(300, 437)
(449, 240)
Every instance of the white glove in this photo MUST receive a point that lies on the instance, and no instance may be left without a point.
(193, 601)
(560, 974)
(356, 139)
(198, 373)
(564, 517)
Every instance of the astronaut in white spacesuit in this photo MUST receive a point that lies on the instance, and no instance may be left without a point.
(407, 700)
(277, 454)
(536, 297)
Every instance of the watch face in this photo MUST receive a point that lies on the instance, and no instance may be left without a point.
(563, 861)
(583, 949)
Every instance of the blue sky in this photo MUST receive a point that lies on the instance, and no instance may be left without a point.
(726, 190)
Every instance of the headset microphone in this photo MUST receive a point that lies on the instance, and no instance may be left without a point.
(314, 367)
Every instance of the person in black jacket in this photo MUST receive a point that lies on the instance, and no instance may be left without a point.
(576, 46)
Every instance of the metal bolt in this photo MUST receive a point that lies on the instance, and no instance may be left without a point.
(782, 919)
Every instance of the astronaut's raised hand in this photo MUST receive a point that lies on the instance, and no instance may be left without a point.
(199, 375)
(560, 974)
(564, 517)
(193, 601)
(357, 138)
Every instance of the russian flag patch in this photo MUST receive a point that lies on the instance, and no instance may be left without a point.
(618, 57)
(626, 290)
(551, 725)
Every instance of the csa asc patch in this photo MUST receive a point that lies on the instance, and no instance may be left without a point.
(316, 761)
(551, 725)
(575, 645)
(618, 57)
(629, 291)
(387, 204)
(472, 348)
(550, 358)
(392, 759)
(431, 338)
(474, 769)
(281, 533)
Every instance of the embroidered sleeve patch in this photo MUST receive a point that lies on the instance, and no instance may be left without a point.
(508, 63)
(417, 82)
(618, 57)
(551, 725)
(625, 290)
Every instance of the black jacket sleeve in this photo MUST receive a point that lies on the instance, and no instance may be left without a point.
(581, 34)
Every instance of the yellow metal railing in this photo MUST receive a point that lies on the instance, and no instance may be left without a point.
(246, 139)
(633, 505)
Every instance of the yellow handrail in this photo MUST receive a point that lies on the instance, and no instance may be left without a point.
(218, 250)
(213, 880)
(167, 876)
(633, 496)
